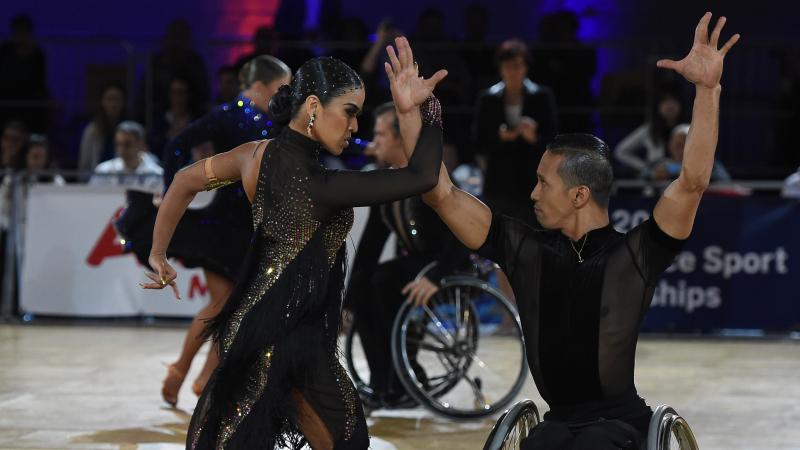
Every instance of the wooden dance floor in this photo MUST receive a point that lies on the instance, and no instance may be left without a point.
(98, 387)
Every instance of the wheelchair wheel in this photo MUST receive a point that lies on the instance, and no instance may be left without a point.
(463, 354)
(359, 373)
(669, 431)
(513, 426)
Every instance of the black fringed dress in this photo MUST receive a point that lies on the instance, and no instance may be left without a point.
(278, 330)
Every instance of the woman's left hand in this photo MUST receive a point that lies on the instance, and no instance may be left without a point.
(409, 90)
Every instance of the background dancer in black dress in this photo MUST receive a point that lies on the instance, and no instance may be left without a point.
(201, 231)
(279, 380)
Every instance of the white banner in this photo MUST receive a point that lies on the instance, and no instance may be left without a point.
(73, 263)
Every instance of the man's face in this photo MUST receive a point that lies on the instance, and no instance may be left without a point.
(127, 147)
(388, 145)
(36, 158)
(514, 71)
(552, 199)
(12, 141)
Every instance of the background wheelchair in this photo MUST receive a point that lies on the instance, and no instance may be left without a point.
(461, 356)
(667, 430)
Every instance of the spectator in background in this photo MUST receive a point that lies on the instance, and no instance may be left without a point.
(97, 140)
(263, 44)
(12, 145)
(353, 35)
(227, 84)
(180, 112)
(131, 168)
(39, 157)
(670, 167)
(371, 66)
(652, 136)
(567, 66)
(514, 120)
(177, 59)
(23, 76)
(433, 50)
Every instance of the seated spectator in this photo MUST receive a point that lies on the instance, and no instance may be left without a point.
(40, 158)
(132, 168)
(97, 141)
(12, 143)
(669, 168)
(651, 136)
(791, 185)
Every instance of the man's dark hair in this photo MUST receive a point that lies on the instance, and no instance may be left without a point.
(511, 49)
(585, 163)
(385, 108)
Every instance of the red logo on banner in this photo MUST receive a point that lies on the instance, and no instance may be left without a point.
(197, 287)
(108, 246)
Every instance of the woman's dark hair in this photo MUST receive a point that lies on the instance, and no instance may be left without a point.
(511, 49)
(325, 77)
(105, 123)
(263, 68)
(659, 128)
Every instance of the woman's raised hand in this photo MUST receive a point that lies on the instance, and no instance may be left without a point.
(409, 90)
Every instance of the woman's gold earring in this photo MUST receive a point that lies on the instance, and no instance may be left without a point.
(311, 123)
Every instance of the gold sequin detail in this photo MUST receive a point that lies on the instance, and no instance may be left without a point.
(286, 231)
(286, 224)
(218, 184)
(256, 383)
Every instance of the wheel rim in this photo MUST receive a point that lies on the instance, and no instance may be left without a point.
(450, 327)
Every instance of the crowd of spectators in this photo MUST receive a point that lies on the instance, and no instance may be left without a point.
(503, 101)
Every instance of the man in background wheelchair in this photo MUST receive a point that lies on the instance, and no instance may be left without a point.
(377, 291)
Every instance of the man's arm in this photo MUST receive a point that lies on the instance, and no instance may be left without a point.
(676, 209)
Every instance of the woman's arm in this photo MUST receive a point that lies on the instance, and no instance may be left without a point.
(202, 175)
(626, 149)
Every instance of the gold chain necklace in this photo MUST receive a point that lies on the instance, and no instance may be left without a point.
(578, 252)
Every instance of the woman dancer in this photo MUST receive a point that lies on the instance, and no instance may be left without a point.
(279, 380)
(215, 238)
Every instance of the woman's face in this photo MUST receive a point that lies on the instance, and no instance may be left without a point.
(514, 71)
(36, 158)
(112, 102)
(336, 122)
(669, 108)
(179, 94)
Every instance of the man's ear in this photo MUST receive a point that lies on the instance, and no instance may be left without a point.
(581, 196)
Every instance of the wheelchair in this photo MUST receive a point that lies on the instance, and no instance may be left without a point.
(667, 429)
(461, 356)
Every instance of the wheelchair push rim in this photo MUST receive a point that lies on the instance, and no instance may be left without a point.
(454, 341)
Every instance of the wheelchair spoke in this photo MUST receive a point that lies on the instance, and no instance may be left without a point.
(439, 326)
(476, 390)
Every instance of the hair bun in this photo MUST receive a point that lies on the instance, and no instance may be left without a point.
(280, 106)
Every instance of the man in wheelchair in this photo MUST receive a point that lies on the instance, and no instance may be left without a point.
(581, 287)
(376, 291)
